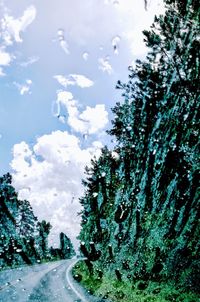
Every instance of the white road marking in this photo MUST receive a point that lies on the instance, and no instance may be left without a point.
(71, 285)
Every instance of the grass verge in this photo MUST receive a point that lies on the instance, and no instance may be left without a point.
(108, 287)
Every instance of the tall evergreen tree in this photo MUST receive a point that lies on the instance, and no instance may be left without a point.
(18, 226)
(66, 247)
(44, 230)
(23, 238)
(145, 208)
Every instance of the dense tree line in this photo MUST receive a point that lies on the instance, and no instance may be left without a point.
(140, 217)
(24, 240)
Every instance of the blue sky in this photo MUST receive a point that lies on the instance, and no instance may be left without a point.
(59, 64)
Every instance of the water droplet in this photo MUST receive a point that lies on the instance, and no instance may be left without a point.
(115, 43)
(62, 118)
(60, 32)
(105, 65)
(85, 55)
(115, 155)
(85, 136)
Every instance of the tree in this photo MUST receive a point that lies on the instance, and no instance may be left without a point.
(66, 247)
(18, 224)
(145, 209)
(23, 238)
(44, 230)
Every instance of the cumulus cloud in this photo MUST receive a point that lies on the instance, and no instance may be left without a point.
(12, 28)
(5, 60)
(24, 88)
(74, 79)
(49, 174)
(90, 121)
(105, 66)
(5, 57)
(95, 118)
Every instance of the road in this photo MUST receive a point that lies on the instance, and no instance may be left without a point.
(43, 283)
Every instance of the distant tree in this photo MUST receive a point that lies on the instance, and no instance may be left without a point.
(44, 230)
(66, 247)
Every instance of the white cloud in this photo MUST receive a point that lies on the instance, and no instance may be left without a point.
(135, 20)
(49, 175)
(12, 28)
(62, 80)
(81, 80)
(24, 88)
(10, 31)
(5, 57)
(29, 61)
(90, 121)
(96, 118)
(105, 66)
(74, 79)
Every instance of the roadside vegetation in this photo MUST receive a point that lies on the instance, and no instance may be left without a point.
(109, 288)
(140, 219)
(24, 239)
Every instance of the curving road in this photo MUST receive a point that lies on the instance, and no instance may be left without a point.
(43, 283)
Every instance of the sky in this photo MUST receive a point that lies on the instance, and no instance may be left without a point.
(59, 64)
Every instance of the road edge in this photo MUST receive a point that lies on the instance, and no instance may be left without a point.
(69, 281)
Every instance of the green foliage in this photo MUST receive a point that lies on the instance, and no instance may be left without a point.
(114, 290)
(18, 227)
(141, 202)
(66, 247)
(23, 238)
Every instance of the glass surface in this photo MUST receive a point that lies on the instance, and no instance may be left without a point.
(99, 150)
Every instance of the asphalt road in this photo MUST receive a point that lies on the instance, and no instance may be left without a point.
(43, 283)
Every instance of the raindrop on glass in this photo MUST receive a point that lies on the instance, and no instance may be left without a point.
(85, 55)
